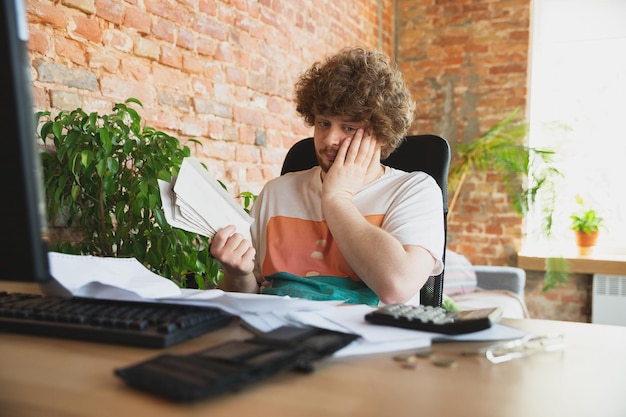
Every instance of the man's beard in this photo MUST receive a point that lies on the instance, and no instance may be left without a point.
(323, 161)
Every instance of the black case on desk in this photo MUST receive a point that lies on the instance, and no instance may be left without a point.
(232, 365)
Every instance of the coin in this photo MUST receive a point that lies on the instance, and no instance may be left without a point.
(424, 354)
(445, 363)
(404, 358)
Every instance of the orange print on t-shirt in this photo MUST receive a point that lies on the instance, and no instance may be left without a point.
(305, 248)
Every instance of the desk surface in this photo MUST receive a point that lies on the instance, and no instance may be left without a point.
(54, 377)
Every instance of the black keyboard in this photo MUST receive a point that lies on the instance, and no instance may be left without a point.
(134, 323)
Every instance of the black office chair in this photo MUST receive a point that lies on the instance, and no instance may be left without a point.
(427, 153)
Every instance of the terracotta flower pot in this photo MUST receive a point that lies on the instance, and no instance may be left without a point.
(585, 241)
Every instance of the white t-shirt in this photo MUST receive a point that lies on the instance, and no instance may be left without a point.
(291, 235)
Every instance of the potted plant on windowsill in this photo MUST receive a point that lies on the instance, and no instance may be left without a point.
(586, 225)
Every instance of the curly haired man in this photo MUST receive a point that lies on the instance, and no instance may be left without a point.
(350, 228)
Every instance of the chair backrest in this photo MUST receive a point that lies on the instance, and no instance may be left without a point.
(427, 153)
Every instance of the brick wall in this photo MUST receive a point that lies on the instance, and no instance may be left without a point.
(218, 71)
(571, 302)
(466, 63)
(223, 72)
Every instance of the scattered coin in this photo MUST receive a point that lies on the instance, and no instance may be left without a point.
(424, 354)
(445, 363)
(404, 358)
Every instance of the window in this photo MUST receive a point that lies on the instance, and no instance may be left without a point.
(578, 108)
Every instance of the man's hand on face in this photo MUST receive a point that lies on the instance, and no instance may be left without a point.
(358, 156)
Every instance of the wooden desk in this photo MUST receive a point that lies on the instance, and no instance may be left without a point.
(52, 377)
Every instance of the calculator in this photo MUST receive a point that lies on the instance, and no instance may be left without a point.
(434, 319)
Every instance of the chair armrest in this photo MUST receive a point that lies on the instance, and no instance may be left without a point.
(509, 278)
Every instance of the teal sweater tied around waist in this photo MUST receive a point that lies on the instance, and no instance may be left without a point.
(320, 288)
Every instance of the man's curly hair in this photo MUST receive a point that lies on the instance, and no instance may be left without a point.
(363, 86)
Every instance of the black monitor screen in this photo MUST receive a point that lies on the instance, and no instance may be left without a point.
(23, 256)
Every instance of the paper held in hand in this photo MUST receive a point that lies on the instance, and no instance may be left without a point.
(196, 202)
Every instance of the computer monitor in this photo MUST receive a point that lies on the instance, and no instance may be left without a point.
(23, 254)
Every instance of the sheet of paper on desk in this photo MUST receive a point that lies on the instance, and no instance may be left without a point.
(245, 304)
(374, 339)
(92, 276)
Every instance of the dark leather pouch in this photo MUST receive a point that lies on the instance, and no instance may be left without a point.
(232, 365)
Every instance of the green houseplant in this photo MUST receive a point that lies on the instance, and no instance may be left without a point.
(100, 178)
(586, 225)
(527, 174)
(526, 171)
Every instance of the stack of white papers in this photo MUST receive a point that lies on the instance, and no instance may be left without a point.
(196, 202)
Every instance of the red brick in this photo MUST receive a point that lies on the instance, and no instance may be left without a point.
(87, 28)
(110, 10)
(171, 57)
(192, 64)
(71, 49)
(163, 29)
(38, 42)
(248, 153)
(136, 19)
(49, 14)
(273, 156)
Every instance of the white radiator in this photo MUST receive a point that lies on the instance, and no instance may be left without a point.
(608, 304)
